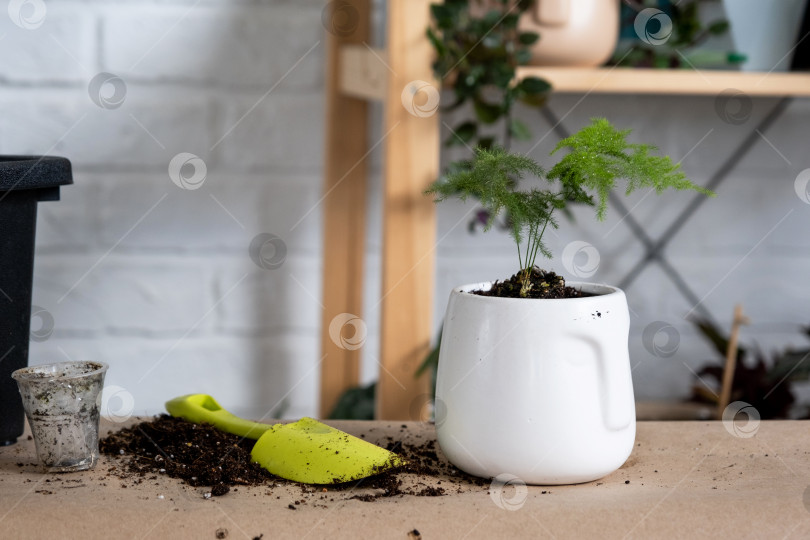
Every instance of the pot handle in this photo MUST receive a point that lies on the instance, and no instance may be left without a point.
(552, 12)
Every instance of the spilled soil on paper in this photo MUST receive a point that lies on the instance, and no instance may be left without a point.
(200, 455)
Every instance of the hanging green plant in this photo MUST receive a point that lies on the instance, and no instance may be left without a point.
(478, 50)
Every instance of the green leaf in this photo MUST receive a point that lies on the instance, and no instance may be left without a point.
(486, 112)
(492, 18)
(501, 75)
(519, 130)
(599, 154)
(718, 28)
(492, 41)
(476, 76)
(511, 20)
(715, 336)
(463, 89)
(479, 54)
(793, 365)
(523, 57)
(534, 101)
(534, 85)
(492, 180)
(486, 142)
(438, 46)
(355, 404)
(443, 15)
(533, 91)
(528, 38)
(462, 134)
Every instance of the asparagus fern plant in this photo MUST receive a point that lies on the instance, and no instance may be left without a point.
(599, 155)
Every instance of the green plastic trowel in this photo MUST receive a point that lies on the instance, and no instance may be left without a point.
(305, 451)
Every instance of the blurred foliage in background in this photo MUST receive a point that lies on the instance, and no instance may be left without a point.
(765, 383)
(672, 40)
(355, 404)
(477, 54)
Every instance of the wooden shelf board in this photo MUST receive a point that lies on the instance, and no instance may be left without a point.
(669, 81)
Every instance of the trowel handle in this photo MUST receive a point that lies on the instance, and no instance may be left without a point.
(202, 408)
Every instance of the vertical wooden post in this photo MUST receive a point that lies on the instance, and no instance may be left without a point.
(344, 205)
(409, 228)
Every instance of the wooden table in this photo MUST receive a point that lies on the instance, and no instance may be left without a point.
(683, 480)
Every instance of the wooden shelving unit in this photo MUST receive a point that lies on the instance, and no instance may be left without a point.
(356, 74)
(670, 81)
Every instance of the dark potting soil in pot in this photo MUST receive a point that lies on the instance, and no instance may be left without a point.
(544, 285)
(202, 455)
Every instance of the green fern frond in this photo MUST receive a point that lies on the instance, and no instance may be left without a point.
(599, 155)
(491, 179)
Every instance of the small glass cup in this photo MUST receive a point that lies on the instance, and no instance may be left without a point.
(61, 402)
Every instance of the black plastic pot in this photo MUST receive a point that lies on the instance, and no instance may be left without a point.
(24, 182)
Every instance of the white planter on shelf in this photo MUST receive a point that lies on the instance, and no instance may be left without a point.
(573, 33)
(536, 388)
(765, 31)
(580, 33)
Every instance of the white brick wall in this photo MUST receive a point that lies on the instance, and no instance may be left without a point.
(214, 45)
(153, 279)
(57, 52)
(157, 281)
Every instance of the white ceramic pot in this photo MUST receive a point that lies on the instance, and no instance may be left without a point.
(579, 33)
(766, 31)
(573, 32)
(539, 389)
